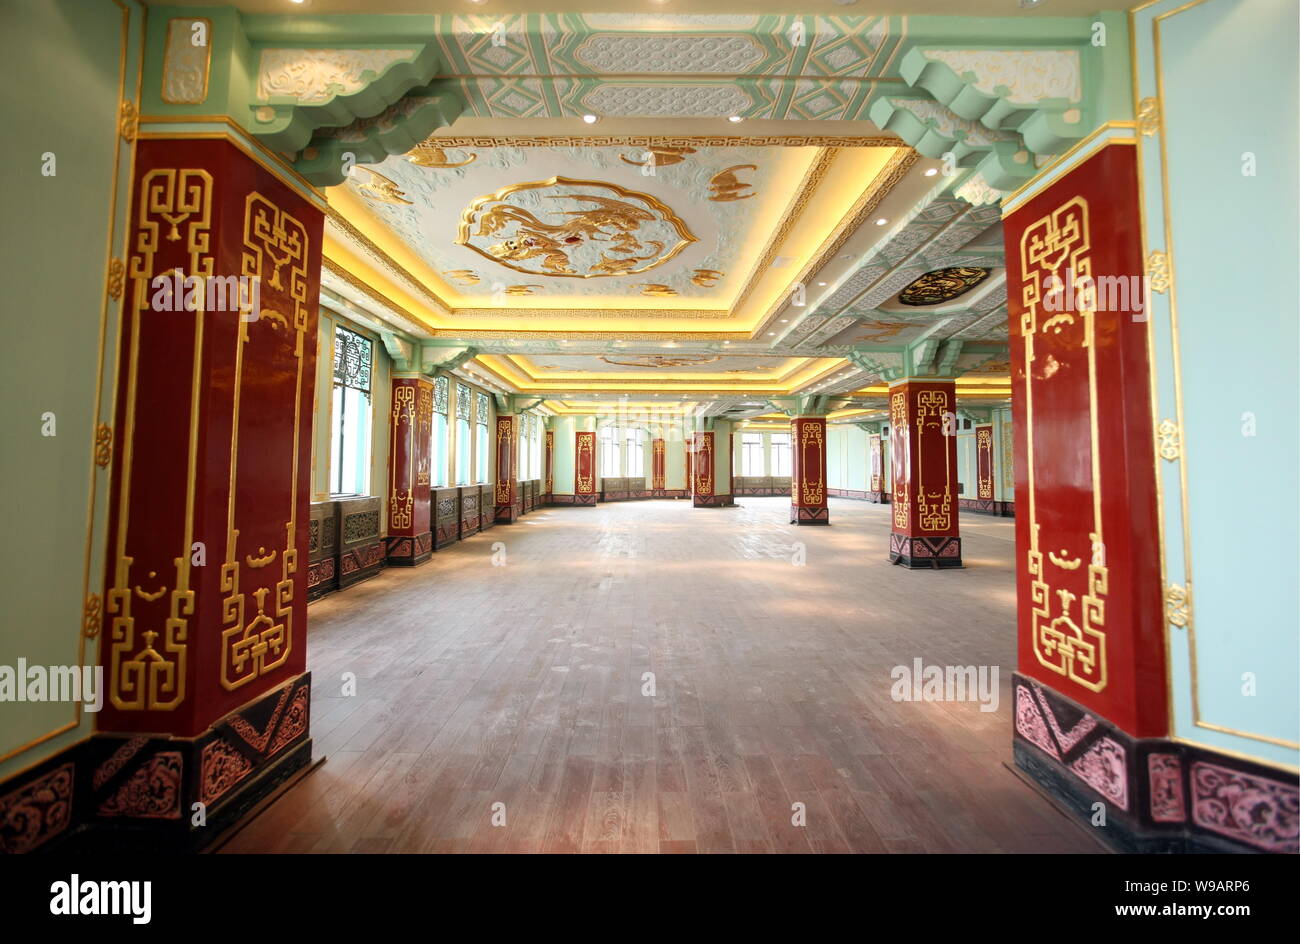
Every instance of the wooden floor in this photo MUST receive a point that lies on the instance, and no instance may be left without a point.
(522, 685)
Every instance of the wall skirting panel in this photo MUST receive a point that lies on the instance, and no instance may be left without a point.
(322, 549)
(878, 497)
(124, 793)
(362, 549)
(1159, 795)
(983, 506)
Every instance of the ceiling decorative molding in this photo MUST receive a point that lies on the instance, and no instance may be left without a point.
(315, 76)
(1021, 76)
(690, 221)
(942, 285)
(692, 142)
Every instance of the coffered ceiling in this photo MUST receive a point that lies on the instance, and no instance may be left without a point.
(681, 262)
(678, 229)
(705, 273)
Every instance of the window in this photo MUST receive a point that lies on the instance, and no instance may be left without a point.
(481, 415)
(751, 454)
(463, 441)
(636, 455)
(350, 435)
(780, 453)
(609, 452)
(439, 455)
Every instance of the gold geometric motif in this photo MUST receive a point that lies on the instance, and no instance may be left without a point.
(984, 444)
(401, 501)
(1008, 457)
(623, 234)
(506, 443)
(1057, 247)
(425, 415)
(148, 673)
(274, 240)
(704, 469)
(897, 419)
(1177, 606)
(813, 493)
(933, 509)
(1170, 441)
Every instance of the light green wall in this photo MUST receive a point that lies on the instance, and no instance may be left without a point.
(1225, 338)
(848, 457)
(69, 65)
(966, 461)
(722, 429)
(322, 404)
(562, 468)
(675, 462)
(836, 457)
(1003, 489)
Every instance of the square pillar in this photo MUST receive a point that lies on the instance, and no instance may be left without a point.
(923, 447)
(204, 637)
(1088, 570)
(549, 459)
(808, 471)
(658, 467)
(876, 483)
(410, 528)
(584, 467)
(701, 462)
(508, 505)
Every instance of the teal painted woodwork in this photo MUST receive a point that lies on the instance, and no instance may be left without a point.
(62, 230)
(1225, 337)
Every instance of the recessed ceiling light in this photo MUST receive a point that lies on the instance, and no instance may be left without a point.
(770, 333)
(821, 283)
(882, 221)
(726, 342)
(932, 171)
(785, 320)
(590, 119)
(735, 119)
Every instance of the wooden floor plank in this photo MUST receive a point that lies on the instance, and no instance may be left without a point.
(526, 686)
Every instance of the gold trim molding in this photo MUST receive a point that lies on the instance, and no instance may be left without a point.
(664, 141)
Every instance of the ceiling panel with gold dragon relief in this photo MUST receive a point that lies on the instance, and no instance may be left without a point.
(664, 227)
(619, 363)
